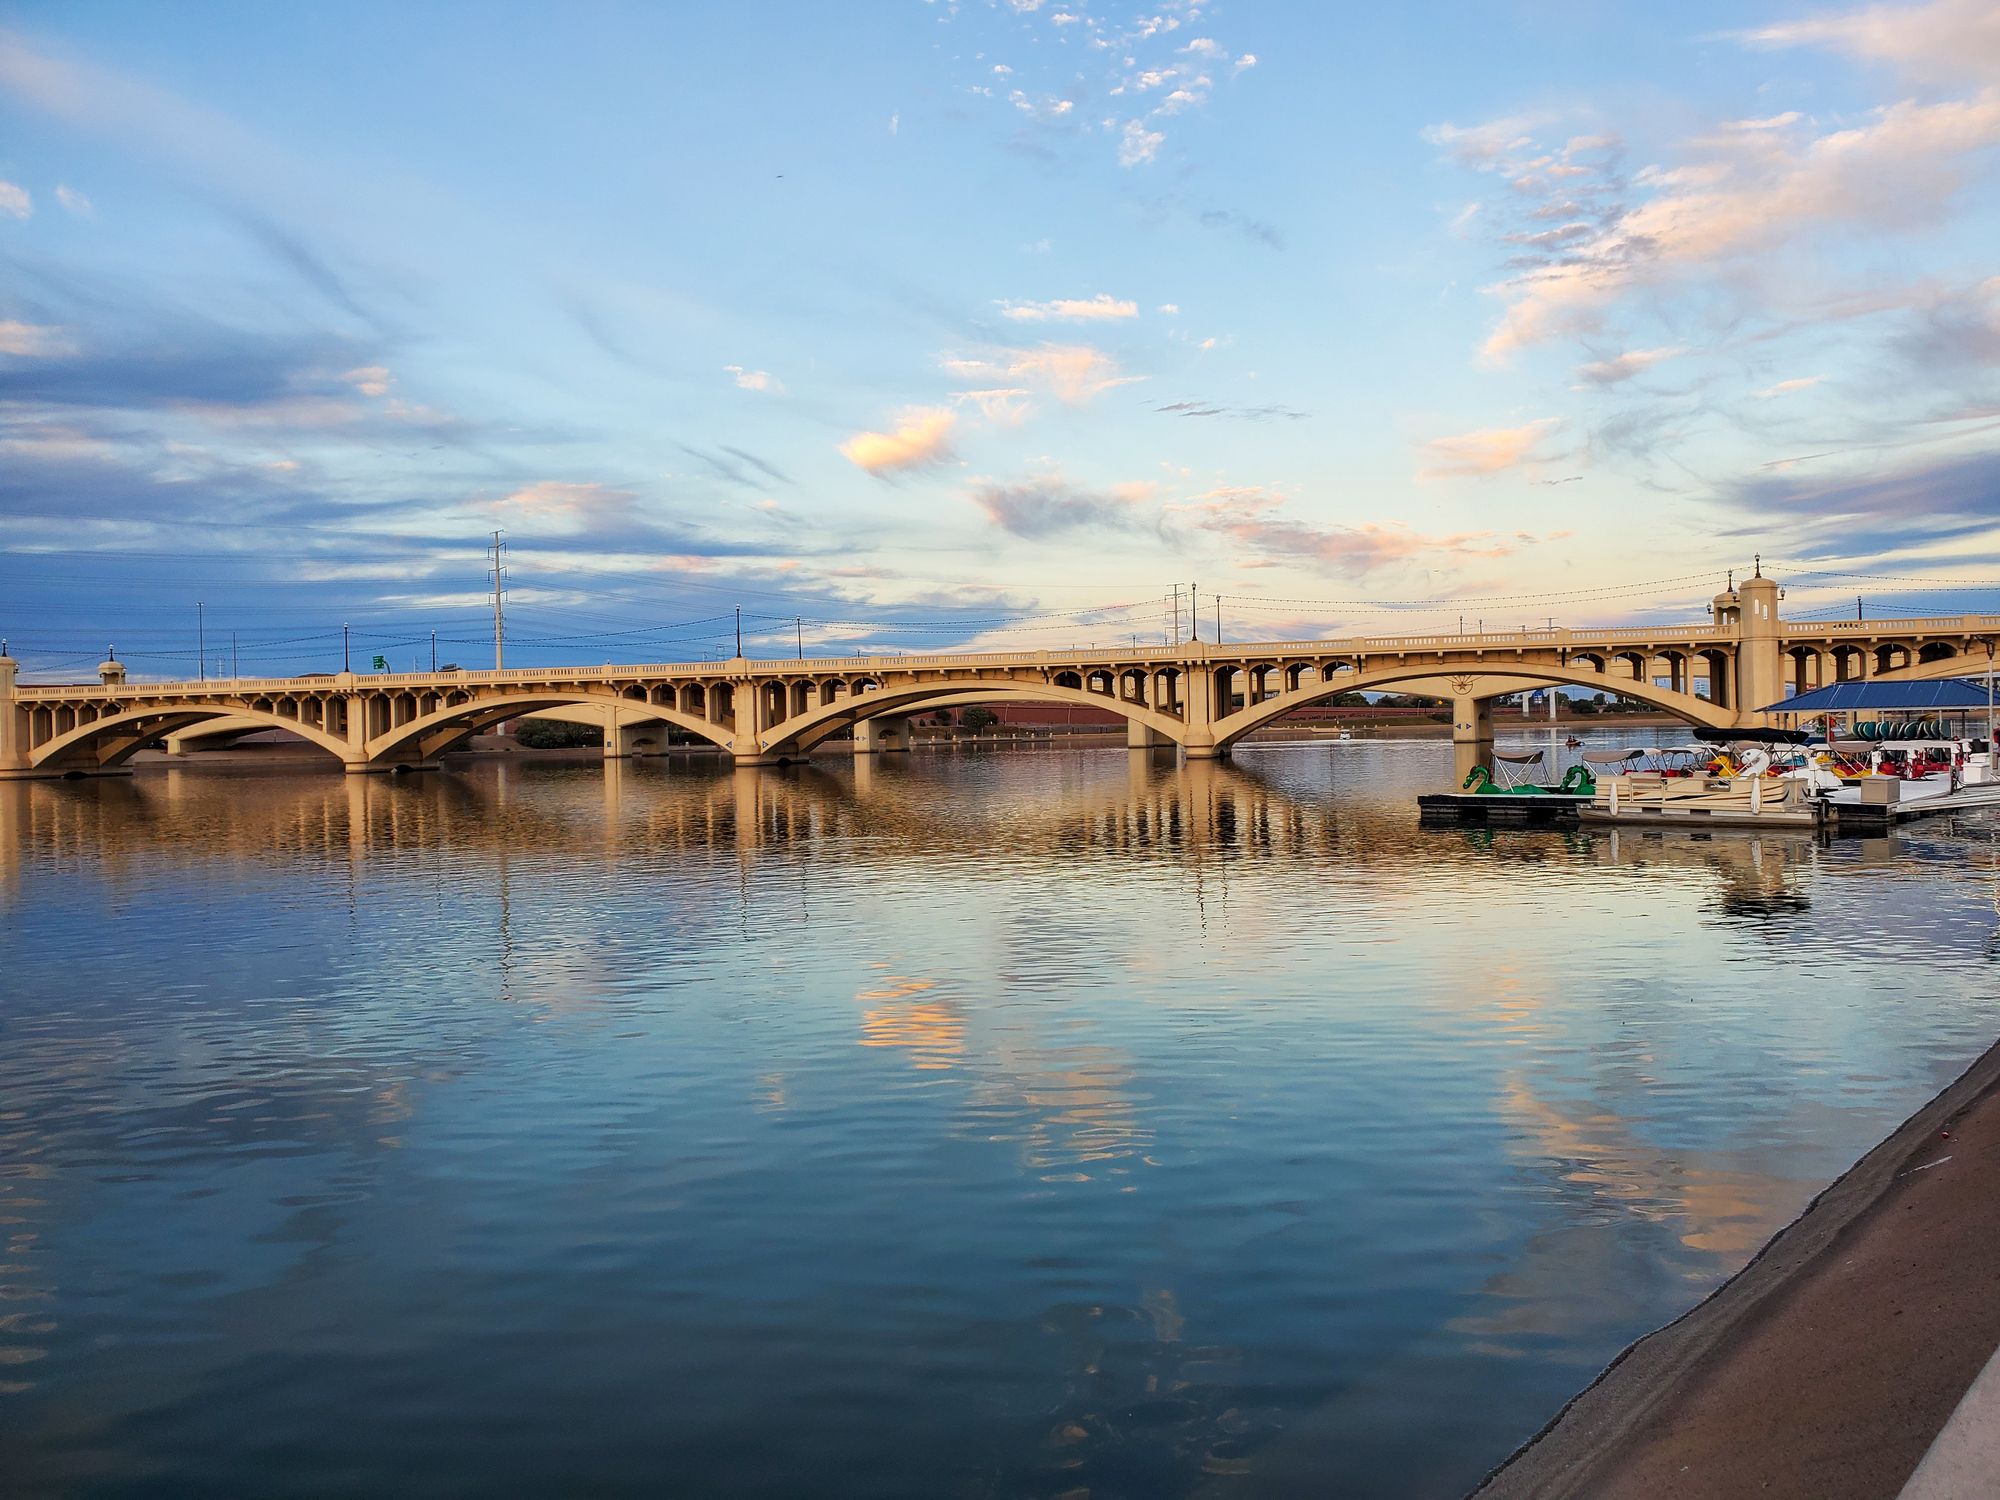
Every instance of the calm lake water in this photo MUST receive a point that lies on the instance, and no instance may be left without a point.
(970, 1124)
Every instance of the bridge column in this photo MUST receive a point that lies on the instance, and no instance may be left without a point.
(355, 707)
(1143, 736)
(746, 706)
(623, 733)
(13, 728)
(1199, 701)
(1472, 721)
(884, 736)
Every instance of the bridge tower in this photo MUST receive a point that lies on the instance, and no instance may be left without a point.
(13, 733)
(1760, 657)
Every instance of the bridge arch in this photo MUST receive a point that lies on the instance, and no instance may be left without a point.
(130, 730)
(798, 735)
(1686, 706)
(443, 729)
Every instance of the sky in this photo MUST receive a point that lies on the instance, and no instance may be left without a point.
(925, 324)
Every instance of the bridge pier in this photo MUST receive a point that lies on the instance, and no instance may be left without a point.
(1144, 737)
(626, 737)
(1472, 721)
(746, 716)
(887, 735)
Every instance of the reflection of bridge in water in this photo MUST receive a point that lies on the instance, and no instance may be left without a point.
(1200, 697)
(1191, 814)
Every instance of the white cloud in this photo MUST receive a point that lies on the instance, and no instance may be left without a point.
(15, 201)
(1622, 367)
(1171, 309)
(1247, 61)
(563, 502)
(895, 122)
(756, 380)
(1943, 39)
(1138, 144)
(76, 202)
(1004, 407)
(921, 437)
(34, 340)
(1071, 372)
(370, 380)
(1488, 451)
(1251, 516)
(1101, 308)
(1747, 193)
(1206, 46)
(1770, 122)
(1485, 145)
(1786, 387)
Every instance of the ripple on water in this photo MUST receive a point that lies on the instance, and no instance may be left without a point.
(979, 1124)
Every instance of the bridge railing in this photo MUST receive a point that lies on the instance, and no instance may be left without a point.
(1920, 625)
(1192, 653)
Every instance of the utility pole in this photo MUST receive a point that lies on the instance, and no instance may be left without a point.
(200, 645)
(1194, 612)
(739, 632)
(1857, 606)
(346, 661)
(799, 628)
(233, 673)
(1177, 614)
(1993, 751)
(434, 651)
(1218, 619)
(499, 592)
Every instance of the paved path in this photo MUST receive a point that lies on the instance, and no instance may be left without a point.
(1826, 1369)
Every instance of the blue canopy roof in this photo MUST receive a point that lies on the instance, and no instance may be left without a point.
(1843, 697)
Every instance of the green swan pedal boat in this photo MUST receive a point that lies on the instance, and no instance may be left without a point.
(1514, 797)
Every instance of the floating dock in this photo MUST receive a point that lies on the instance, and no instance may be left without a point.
(1499, 810)
(1879, 817)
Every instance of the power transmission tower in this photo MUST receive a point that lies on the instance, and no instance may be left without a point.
(499, 571)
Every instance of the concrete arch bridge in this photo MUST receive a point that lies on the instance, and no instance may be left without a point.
(1199, 696)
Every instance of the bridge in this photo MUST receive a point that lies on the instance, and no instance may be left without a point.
(1200, 696)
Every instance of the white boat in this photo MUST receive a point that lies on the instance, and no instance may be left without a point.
(1919, 771)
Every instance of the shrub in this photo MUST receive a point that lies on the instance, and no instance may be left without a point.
(555, 734)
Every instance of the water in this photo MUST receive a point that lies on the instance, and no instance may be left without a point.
(970, 1124)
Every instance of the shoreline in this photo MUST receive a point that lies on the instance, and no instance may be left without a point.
(1829, 1363)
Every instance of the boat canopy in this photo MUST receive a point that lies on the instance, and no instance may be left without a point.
(1887, 697)
(1612, 757)
(1754, 736)
(1527, 759)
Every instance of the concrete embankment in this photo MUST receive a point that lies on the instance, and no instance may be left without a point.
(1827, 1367)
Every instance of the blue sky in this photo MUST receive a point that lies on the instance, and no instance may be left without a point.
(946, 323)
